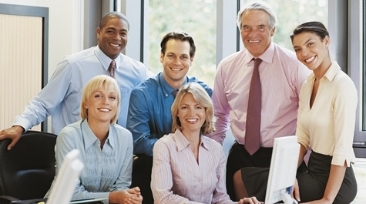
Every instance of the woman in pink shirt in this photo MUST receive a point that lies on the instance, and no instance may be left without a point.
(189, 167)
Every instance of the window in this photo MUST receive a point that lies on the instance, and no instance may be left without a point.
(213, 23)
(195, 17)
(299, 11)
(198, 18)
(356, 63)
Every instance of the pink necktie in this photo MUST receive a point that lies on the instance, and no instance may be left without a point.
(112, 68)
(253, 123)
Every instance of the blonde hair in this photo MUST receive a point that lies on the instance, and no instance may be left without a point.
(97, 83)
(202, 98)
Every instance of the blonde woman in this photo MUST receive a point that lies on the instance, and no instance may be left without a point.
(106, 148)
(189, 167)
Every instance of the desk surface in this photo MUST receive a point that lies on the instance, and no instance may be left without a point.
(90, 201)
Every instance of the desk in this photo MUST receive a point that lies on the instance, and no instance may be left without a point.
(90, 201)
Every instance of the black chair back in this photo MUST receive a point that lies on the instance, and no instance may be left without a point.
(28, 169)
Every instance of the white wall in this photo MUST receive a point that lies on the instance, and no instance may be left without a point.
(65, 32)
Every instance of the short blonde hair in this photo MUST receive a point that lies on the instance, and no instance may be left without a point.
(97, 83)
(202, 98)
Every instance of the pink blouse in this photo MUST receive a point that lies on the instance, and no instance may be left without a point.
(178, 178)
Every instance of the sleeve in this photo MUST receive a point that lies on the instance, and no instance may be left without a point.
(345, 104)
(205, 86)
(220, 195)
(47, 100)
(147, 74)
(162, 177)
(64, 144)
(138, 123)
(221, 107)
(125, 174)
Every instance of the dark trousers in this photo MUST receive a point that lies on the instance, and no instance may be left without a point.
(239, 158)
(141, 177)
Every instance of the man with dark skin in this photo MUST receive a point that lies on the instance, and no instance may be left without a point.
(61, 97)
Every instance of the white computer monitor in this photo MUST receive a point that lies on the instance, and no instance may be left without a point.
(282, 172)
(66, 179)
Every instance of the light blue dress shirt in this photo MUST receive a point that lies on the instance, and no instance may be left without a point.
(61, 97)
(149, 115)
(105, 170)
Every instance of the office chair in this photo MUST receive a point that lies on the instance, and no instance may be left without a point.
(141, 177)
(28, 169)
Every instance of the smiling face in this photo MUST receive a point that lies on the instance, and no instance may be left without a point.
(112, 37)
(312, 51)
(256, 31)
(176, 62)
(102, 105)
(191, 114)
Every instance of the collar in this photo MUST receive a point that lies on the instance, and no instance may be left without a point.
(267, 56)
(165, 87)
(183, 143)
(90, 138)
(330, 74)
(104, 59)
(332, 71)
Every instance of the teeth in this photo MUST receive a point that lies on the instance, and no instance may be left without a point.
(252, 41)
(104, 109)
(114, 45)
(192, 120)
(176, 69)
(310, 59)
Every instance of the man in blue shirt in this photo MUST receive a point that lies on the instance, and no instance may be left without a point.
(149, 116)
(61, 97)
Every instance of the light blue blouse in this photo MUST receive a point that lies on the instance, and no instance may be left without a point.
(108, 169)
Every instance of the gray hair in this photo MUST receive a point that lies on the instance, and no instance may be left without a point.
(258, 5)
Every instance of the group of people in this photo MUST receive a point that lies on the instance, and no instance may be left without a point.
(163, 148)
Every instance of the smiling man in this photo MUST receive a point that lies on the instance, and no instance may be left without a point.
(61, 97)
(280, 77)
(149, 115)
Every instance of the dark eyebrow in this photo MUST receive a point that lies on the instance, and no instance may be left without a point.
(308, 40)
(113, 28)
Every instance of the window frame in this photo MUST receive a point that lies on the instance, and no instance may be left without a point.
(356, 42)
(345, 21)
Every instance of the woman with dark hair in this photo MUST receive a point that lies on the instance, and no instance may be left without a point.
(326, 121)
(189, 167)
